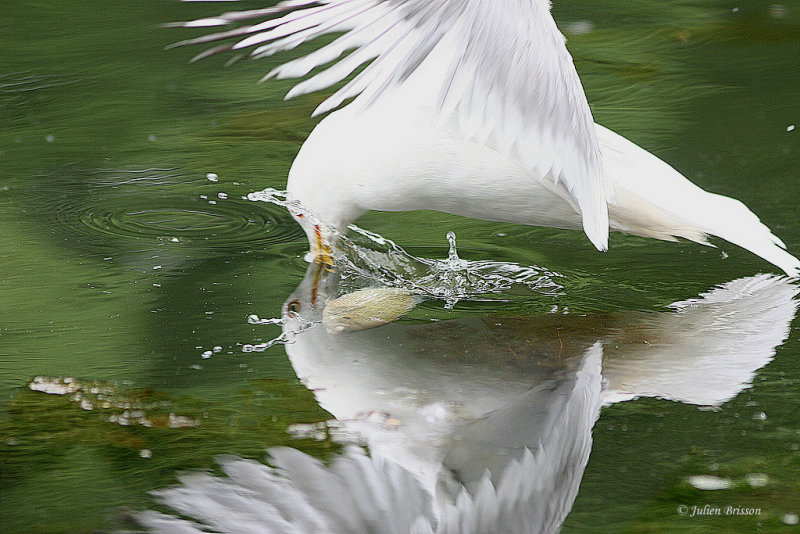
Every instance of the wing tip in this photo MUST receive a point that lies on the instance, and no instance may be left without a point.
(600, 241)
(596, 226)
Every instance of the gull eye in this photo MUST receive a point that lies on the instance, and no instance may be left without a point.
(294, 306)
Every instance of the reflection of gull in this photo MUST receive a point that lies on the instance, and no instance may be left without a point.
(471, 107)
(464, 434)
(708, 350)
(526, 485)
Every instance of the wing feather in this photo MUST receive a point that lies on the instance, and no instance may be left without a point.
(510, 82)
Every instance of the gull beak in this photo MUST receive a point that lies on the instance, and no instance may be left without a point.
(321, 251)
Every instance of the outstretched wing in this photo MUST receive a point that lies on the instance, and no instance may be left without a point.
(511, 83)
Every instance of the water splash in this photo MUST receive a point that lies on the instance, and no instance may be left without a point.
(281, 198)
(452, 280)
(452, 255)
(366, 258)
(287, 337)
(256, 320)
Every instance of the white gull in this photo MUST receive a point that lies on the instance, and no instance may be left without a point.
(471, 107)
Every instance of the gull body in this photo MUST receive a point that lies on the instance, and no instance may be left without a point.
(416, 165)
(471, 107)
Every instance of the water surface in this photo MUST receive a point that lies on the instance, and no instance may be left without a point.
(131, 259)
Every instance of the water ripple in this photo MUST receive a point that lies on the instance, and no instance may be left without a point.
(177, 221)
(149, 208)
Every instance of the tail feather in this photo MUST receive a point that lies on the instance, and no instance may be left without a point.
(655, 200)
(737, 224)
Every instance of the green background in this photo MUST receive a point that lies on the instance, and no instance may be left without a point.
(115, 268)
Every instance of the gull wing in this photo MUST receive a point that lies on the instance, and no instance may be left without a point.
(511, 83)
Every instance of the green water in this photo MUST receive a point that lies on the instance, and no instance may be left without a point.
(121, 263)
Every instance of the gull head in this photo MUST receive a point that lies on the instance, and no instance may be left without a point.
(323, 237)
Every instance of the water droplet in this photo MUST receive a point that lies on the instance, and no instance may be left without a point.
(212, 177)
(254, 319)
(452, 255)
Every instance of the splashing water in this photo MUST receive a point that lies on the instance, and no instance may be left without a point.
(451, 280)
(281, 198)
(256, 320)
(367, 258)
(452, 255)
(287, 337)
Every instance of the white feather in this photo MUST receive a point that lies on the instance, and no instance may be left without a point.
(507, 60)
(472, 107)
(655, 200)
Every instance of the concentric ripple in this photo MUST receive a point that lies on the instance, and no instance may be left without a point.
(153, 211)
(228, 225)
(232, 225)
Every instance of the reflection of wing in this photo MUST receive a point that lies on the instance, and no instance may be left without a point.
(519, 470)
(503, 72)
(356, 494)
(522, 465)
(552, 415)
(709, 350)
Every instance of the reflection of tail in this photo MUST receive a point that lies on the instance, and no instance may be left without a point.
(709, 350)
(520, 480)
(654, 200)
